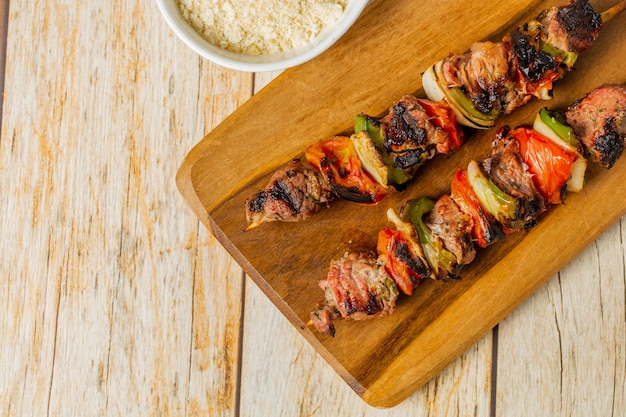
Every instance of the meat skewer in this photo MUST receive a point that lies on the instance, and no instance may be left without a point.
(524, 174)
(471, 89)
(496, 78)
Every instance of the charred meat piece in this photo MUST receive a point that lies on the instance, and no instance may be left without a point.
(508, 172)
(599, 122)
(542, 50)
(408, 134)
(533, 69)
(293, 193)
(356, 288)
(453, 227)
(481, 74)
(571, 28)
(529, 59)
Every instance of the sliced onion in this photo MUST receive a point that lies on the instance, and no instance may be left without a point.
(370, 157)
(433, 83)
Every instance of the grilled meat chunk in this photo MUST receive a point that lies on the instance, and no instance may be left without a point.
(408, 134)
(571, 28)
(454, 228)
(357, 288)
(599, 122)
(536, 69)
(293, 193)
(508, 172)
(481, 73)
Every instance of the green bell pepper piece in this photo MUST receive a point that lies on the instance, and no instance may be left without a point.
(556, 121)
(375, 131)
(442, 261)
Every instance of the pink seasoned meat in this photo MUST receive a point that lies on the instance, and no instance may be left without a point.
(599, 122)
(356, 288)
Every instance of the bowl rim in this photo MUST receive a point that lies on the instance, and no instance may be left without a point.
(259, 63)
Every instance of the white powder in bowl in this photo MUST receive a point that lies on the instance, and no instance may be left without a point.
(259, 27)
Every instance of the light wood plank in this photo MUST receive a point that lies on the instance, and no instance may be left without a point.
(282, 374)
(116, 300)
(563, 352)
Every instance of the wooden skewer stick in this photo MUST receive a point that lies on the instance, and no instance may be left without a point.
(610, 13)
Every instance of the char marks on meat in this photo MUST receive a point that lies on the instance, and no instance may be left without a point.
(356, 288)
(481, 73)
(454, 228)
(409, 136)
(531, 61)
(573, 27)
(293, 193)
(599, 122)
(508, 172)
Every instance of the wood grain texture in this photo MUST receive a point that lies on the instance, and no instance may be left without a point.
(115, 300)
(109, 292)
(579, 369)
(424, 335)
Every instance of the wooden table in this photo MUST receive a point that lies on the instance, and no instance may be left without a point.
(115, 300)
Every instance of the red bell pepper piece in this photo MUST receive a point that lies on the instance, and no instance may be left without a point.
(550, 164)
(443, 117)
(485, 229)
(337, 160)
(406, 267)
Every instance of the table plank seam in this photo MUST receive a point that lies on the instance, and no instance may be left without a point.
(242, 315)
(4, 30)
(494, 372)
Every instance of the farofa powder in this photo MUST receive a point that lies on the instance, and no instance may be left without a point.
(259, 27)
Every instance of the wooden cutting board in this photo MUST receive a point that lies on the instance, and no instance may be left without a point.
(379, 60)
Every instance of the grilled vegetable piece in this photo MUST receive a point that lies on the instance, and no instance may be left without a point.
(402, 255)
(371, 157)
(485, 228)
(508, 172)
(368, 142)
(337, 160)
(549, 164)
(437, 89)
(293, 193)
(443, 263)
(599, 122)
(356, 288)
(499, 204)
(553, 126)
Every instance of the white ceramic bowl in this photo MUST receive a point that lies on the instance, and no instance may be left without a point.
(258, 63)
